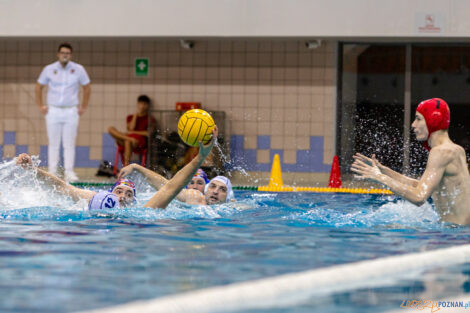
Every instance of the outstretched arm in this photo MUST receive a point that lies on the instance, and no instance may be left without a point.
(61, 186)
(156, 180)
(416, 194)
(163, 197)
(386, 170)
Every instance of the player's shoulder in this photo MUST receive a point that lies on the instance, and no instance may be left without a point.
(446, 152)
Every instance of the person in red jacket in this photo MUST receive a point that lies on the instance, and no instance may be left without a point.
(137, 133)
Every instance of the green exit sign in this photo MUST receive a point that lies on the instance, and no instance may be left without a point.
(141, 67)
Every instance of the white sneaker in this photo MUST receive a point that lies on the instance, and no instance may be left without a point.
(70, 177)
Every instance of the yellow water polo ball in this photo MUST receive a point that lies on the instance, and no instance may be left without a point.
(195, 126)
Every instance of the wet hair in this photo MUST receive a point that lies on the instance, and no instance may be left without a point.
(65, 45)
(144, 98)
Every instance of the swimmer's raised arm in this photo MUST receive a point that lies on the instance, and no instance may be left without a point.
(386, 170)
(418, 195)
(156, 180)
(61, 186)
(168, 192)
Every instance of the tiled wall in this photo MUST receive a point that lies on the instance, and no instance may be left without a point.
(278, 95)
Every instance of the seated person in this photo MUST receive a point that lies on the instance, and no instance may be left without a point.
(218, 190)
(137, 129)
(122, 194)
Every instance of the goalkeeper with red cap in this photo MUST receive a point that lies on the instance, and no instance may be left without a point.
(446, 177)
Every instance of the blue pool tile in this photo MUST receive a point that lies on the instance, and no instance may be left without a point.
(21, 149)
(264, 142)
(108, 149)
(43, 155)
(9, 138)
(82, 157)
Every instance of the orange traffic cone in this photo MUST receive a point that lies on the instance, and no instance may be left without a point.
(335, 174)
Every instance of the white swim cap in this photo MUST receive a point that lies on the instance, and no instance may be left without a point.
(103, 200)
(224, 180)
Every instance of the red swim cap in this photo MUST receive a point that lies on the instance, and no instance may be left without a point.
(436, 114)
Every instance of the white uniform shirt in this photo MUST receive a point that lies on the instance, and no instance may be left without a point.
(63, 83)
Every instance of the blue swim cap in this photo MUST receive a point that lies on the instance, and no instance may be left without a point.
(103, 200)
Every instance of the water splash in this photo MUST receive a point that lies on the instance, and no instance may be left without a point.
(240, 168)
(392, 214)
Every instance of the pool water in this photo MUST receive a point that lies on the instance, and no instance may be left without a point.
(59, 257)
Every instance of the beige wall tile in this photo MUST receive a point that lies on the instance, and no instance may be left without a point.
(9, 124)
(95, 152)
(303, 142)
(302, 129)
(22, 138)
(263, 128)
(291, 73)
(304, 114)
(34, 149)
(251, 100)
(9, 151)
(251, 114)
(290, 114)
(83, 139)
(289, 142)
(277, 129)
(264, 114)
(251, 128)
(316, 129)
(250, 142)
(277, 142)
(278, 100)
(264, 101)
(262, 156)
(290, 156)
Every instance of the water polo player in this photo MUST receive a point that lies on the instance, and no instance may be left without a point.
(446, 176)
(218, 190)
(198, 181)
(123, 192)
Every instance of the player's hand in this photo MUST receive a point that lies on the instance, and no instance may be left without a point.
(81, 111)
(204, 150)
(367, 160)
(366, 170)
(126, 170)
(44, 109)
(24, 160)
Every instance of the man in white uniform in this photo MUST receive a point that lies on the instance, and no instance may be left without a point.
(62, 111)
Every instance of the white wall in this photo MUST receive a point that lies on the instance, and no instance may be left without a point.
(233, 18)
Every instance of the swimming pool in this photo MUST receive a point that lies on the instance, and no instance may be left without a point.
(60, 258)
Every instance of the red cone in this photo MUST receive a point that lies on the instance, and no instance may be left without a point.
(335, 175)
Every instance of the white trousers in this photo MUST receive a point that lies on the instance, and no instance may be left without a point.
(62, 125)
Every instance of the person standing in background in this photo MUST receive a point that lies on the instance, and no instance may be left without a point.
(63, 108)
